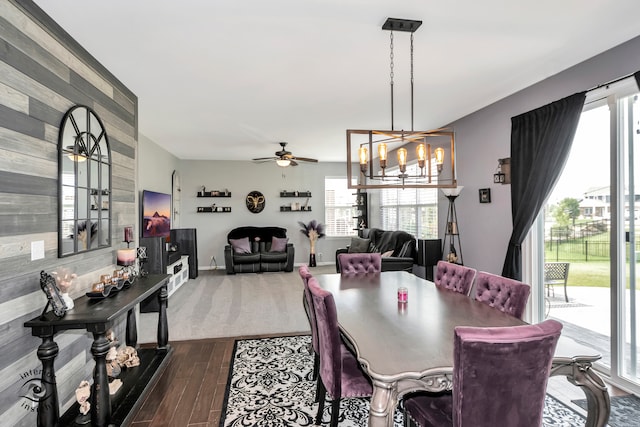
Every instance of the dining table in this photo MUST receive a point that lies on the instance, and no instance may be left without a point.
(407, 346)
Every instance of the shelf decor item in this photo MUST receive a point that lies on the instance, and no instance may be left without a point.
(314, 231)
(54, 299)
(64, 279)
(126, 258)
(142, 258)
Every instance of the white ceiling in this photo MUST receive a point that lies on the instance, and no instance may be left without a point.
(228, 79)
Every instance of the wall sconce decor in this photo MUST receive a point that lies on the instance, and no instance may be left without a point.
(503, 174)
(432, 165)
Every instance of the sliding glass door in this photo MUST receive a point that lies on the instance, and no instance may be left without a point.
(629, 138)
(591, 224)
(577, 231)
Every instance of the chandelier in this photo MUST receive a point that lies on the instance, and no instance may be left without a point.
(401, 158)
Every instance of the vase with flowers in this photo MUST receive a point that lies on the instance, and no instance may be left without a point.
(314, 231)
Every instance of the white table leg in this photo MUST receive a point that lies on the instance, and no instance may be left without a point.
(383, 404)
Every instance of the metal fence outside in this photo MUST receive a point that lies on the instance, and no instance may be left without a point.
(587, 241)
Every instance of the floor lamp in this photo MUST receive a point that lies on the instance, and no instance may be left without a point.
(452, 232)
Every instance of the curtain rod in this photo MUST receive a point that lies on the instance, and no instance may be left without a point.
(610, 82)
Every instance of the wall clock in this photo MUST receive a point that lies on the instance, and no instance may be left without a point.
(255, 201)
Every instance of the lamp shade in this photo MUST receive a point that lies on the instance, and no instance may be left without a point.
(452, 191)
(283, 163)
(126, 256)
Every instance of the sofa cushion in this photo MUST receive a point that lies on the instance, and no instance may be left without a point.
(253, 258)
(241, 246)
(269, 257)
(359, 245)
(387, 254)
(278, 244)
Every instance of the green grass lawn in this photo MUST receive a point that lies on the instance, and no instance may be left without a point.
(595, 274)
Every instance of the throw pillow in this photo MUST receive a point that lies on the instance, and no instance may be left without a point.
(387, 254)
(405, 251)
(359, 245)
(241, 246)
(278, 244)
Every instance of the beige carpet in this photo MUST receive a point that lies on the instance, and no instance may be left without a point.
(219, 305)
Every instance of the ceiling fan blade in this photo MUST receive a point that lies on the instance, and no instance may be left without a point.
(264, 159)
(293, 163)
(305, 159)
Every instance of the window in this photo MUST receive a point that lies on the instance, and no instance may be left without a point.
(414, 210)
(339, 211)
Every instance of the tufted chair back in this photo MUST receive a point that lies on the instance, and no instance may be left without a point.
(305, 274)
(360, 263)
(340, 372)
(507, 295)
(307, 302)
(513, 363)
(454, 277)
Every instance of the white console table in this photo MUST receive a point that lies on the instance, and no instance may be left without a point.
(179, 272)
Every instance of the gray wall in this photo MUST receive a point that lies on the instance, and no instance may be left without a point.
(240, 178)
(156, 166)
(485, 136)
(43, 73)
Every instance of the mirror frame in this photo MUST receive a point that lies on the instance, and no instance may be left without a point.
(83, 141)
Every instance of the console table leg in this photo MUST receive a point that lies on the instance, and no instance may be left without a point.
(163, 327)
(132, 329)
(48, 404)
(100, 399)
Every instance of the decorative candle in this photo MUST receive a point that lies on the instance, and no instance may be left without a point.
(402, 294)
(126, 256)
(128, 234)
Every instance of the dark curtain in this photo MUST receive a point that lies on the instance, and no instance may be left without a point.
(637, 76)
(540, 144)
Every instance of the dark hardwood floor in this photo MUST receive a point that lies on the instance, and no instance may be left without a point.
(190, 391)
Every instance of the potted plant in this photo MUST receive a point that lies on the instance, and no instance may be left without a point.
(314, 231)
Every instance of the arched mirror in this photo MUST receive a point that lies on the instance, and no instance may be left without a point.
(85, 183)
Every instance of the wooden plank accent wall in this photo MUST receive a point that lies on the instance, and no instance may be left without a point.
(44, 72)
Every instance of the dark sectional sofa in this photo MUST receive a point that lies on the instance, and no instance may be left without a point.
(256, 254)
(398, 248)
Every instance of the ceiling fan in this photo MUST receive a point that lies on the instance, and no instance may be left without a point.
(284, 158)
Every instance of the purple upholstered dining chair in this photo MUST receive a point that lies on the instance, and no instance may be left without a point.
(340, 372)
(507, 295)
(360, 263)
(307, 302)
(454, 277)
(499, 378)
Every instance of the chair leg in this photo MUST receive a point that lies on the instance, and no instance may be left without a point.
(335, 411)
(318, 387)
(321, 393)
(566, 297)
(317, 376)
(316, 365)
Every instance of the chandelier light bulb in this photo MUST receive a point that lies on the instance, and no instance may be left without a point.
(402, 159)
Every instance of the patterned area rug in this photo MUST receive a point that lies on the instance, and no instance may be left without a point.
(270, 385)
(625, 410)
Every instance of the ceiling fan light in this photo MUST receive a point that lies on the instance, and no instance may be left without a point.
(283, 163)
